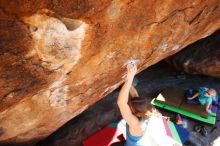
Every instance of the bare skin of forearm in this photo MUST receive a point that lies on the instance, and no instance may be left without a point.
(133, 92)
(124, 93)
(194, 96)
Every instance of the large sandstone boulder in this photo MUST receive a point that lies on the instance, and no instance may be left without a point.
(201, 57)
(60, 57)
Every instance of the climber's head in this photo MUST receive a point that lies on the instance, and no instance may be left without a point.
(142, 108)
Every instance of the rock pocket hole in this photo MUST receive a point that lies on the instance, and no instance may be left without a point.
(71, 24)
(33, 28)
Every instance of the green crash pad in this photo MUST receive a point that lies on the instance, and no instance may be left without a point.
(210, 120)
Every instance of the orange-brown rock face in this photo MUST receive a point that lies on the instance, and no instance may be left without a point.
(59, 57)
(202, 57)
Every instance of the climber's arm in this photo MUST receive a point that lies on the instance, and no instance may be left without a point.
(133, 92)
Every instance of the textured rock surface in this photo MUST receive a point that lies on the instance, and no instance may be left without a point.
(60, 57)
(151, 82)
(202, 57)
(90, 121)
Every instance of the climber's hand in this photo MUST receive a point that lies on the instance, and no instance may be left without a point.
(131, 71)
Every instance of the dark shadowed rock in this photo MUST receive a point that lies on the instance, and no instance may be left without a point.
(60, 57)
(202, 57)
(151, 82)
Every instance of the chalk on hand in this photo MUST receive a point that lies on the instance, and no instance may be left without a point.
(132, 62)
